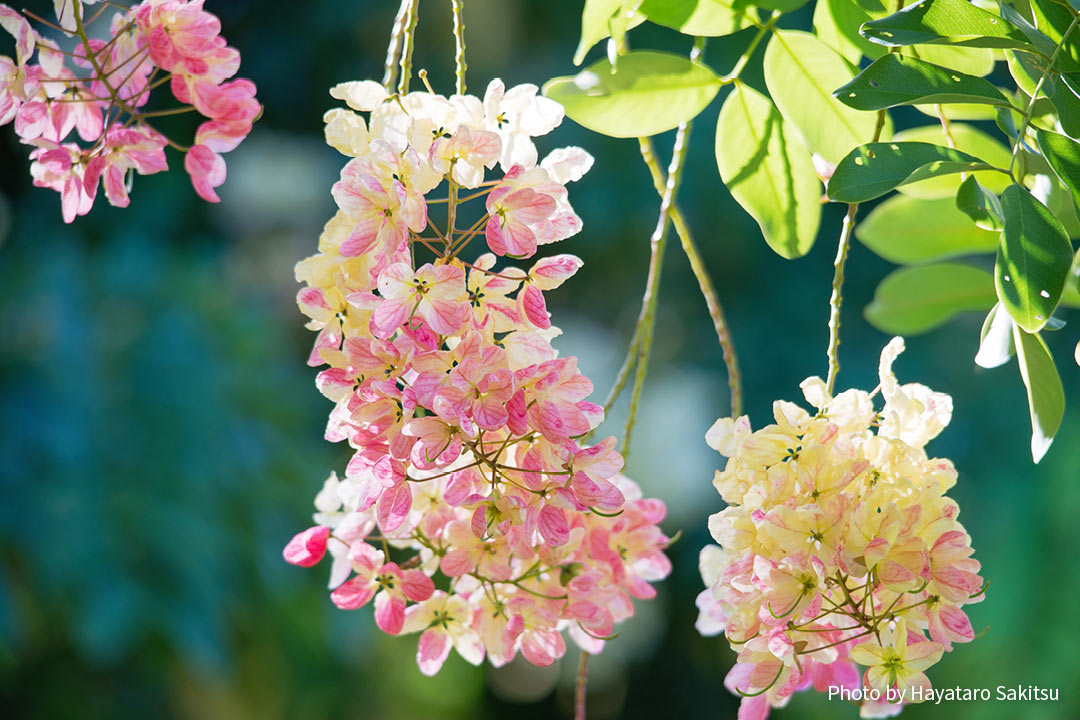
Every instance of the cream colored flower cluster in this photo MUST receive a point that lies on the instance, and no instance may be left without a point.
(838, 547)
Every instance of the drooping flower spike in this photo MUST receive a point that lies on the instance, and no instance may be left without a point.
(838, 547)
(87, 112)
(472, 511)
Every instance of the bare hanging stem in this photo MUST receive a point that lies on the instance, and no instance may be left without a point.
(408, 43)
(705, 283)
(657, 244)
(393, 50)
(459, 44)
(579, 691)
(836, 298)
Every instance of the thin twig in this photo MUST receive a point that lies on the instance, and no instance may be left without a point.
(579, 690)
(408, 43)
(459, 45)
(393, 50)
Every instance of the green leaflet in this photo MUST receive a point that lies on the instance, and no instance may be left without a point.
(652, 92)
(1063, 154)
(1033, 259)
(604, 18)
(801, 73)
(1046, 396)
(707, 18)
(768, 171)
(917, 299)
(904, 229)
(956, 22)
(894, 80)
(872, 170)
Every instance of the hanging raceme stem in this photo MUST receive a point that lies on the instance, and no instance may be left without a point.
(459, 44)
(836, 298)
(705, 283)
(657, 243)
(408, 43)
(393, 50)
(579, 690)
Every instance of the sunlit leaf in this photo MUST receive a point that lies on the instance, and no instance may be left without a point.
(970, 60)
(1033, 259)
(652, 92)
(913, 300)
(956, 22)
(1053, 21)
(904, 229)
(967, 139)
(1063, 154)
(996, 345)
(708, 18)
(768, 171)
(1046, 396)
(894, 80)
(872, 170)
(837, 23)
(596, 23)
(801, 72)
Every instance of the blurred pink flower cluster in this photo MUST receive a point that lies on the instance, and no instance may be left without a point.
(838, 548)
(99, 89)
(473, 510)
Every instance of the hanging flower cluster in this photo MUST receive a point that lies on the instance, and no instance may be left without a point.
(99, 91)
(838, 547)
(471, 512)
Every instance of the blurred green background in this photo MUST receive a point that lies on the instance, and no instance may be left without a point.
(161, 436)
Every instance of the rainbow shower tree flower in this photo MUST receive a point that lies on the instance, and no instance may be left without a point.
(838, 547)
(473, 511)
(100, 91)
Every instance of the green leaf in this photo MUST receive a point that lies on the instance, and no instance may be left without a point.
(1033, 259)
(651, 93)
(904, 230)
(981, 205)
(894, 80)
(1064, 97)
(961, 112)
(1046, 396)
(1053, 20)
(768, 171)
(967, 139)
(781, 5)
(1063, 154)
(970, 60)
(954, 22)
(706, 18)
(801, 73)
(914, 300)
(599, 17)
(996, 345)
(837, 23)
(872, 170)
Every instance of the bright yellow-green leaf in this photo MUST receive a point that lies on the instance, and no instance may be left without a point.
(596, 22)
(917, 299)
(970, 60)
(904, 229)
(768, 171)
(1033, 259)
(1046, 396)
(968, 139)
(801, 73)
(652, 92)
(707, 18)
(837, 23)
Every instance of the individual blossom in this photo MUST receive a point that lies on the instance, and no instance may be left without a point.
(839, 547)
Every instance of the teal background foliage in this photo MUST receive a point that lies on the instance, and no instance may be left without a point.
(161, 437)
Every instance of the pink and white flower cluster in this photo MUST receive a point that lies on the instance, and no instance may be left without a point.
(472, 511)
(98, 93)
(838, 547)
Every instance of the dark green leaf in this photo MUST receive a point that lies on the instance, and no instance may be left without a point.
(1046, 396)
(872, 170)
(652, 92)
(897, 80)
(967, 139)
(981, 205)
(905, 229)
(708, 18)
(917, 299)
(768, 171)
(1033, 259)
(956, 22)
